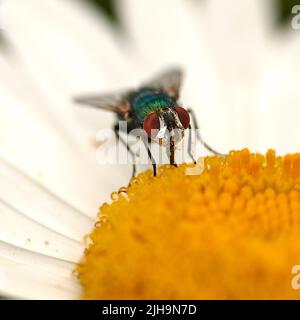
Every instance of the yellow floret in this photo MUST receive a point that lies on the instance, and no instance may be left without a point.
(232, 231)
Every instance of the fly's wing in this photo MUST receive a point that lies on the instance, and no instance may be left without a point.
(168, 81)
(115, 102)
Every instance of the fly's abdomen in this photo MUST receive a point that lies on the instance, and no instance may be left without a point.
(149, 100)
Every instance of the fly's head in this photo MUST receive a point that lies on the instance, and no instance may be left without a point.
(168, 124)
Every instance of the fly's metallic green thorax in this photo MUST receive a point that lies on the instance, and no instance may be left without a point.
(147, 100)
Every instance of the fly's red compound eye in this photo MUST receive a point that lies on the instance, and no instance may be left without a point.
(151, 123)
(184, 117)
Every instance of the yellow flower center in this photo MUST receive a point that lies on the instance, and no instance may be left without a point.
(232, 231)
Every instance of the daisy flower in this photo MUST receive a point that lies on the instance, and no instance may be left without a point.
(241, 75)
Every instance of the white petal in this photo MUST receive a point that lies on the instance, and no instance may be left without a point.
(278, 100)
(36, 220)
(22, 232)
(40, 205)
(164, 32)
(73, 48)
(35, 276)
(239, 36)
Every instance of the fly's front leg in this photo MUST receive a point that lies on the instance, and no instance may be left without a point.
(172, 152)
(195, 124)
(190, 145)
(116, 130)
(146, 142)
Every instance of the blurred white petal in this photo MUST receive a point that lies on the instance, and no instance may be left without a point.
(61, 59)
(278, 115)
(238, 42)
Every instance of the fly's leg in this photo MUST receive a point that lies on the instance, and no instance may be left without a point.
(172, 152)
(146, 143)
(190, 145)
(195, 124)
(116, 130)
